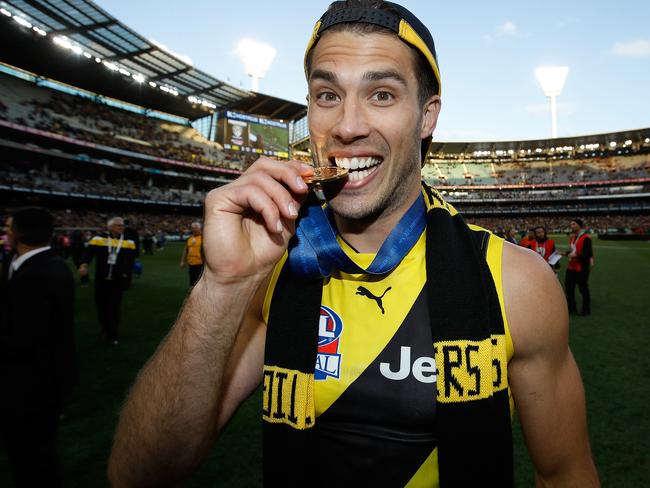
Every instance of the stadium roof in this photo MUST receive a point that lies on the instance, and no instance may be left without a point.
(637, 136)
(94, 51)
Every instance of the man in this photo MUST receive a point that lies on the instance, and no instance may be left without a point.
(114, 255)
(581, 259)
(37, 353)
(542, 245)
(528, 239)
(391, 372)
(511, 235)
(193, 254)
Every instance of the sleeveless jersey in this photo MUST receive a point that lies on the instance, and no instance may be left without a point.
(375, 376)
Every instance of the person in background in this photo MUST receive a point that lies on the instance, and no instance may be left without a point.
(193, 254)
(37, 349)
(581, 260)
(528, 239)
(542, 245)
(114, 255)
(511, 235)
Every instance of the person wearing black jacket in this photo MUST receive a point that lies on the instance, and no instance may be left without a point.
(37, 351)
(114, 255)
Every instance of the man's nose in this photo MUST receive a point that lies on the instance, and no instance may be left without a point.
(352, 123)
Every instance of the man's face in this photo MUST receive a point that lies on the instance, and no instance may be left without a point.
(196, 230)
(364, 115)
(116, 227)
(540, 235)
(574, 226)
(11, 236)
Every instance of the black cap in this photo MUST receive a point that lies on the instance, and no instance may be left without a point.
(396, 18)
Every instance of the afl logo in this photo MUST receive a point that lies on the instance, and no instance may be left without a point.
(328, 360)
(329, 326)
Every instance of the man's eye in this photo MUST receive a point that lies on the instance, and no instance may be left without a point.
(382, 96)
(327, 97)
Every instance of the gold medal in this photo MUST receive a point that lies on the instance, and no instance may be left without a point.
(325, 175)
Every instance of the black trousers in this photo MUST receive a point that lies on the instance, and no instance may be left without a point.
(108, 300)
(30, 442)
(195, 273)
(580, 278)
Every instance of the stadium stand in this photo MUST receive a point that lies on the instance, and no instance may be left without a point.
(77, 141)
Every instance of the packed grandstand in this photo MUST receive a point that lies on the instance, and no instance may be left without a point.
(88, 150)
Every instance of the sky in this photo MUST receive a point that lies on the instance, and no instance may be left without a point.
(487, 53)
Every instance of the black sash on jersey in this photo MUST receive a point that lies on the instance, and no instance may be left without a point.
(474, 435)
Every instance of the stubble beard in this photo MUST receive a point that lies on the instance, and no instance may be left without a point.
(368, 206)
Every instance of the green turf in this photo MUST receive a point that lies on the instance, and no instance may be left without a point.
(611, 348)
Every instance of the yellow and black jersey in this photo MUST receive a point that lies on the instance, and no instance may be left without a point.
(375, 375)
(105, 269)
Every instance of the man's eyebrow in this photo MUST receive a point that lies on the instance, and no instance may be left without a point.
(320, 74)
(383, 75)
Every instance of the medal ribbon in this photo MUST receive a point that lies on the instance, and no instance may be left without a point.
(314, 251)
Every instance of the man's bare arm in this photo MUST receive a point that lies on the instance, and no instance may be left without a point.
(170, 419)
(199, 375)
(543, 374)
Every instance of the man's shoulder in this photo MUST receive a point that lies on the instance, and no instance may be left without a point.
(536, 314)
(43, 268)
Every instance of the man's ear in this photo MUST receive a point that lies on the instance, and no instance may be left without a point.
(430, 113)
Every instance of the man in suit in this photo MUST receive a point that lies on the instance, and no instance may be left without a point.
(37, 353)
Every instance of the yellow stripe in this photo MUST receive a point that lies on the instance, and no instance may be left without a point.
(407, 33)
(495, 262)
(288, 397)
(312, 40)
(269, 291)
(427, 475)
(470, 370)
(103, 242)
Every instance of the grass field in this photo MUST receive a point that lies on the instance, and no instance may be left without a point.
(612, 348)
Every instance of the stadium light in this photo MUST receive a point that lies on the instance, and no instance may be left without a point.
(552, 79)
(257, 58)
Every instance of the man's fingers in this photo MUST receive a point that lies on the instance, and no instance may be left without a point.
(290, 173)
(254, 198)
(284, 200)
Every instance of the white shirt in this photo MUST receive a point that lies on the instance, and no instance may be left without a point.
(18, 261)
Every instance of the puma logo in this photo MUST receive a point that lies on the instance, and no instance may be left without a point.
(364, 292)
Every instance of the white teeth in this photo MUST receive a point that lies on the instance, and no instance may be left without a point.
(357, 162)
(360, 175)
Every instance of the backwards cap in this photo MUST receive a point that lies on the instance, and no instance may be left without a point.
(397, 19)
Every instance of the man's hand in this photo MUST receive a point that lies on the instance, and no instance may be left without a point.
(248, 223)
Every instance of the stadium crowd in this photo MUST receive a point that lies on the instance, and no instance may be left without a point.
(600, 224)
(69, 182)
(99, 123)
(555, 194)
(573, 171)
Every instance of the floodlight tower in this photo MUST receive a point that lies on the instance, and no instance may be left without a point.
(552, 79)
(257, 58)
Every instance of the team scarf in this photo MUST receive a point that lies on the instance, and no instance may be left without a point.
(472, 418)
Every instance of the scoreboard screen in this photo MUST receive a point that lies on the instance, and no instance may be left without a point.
(253, 134)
